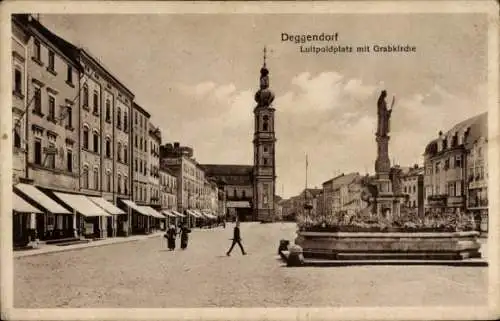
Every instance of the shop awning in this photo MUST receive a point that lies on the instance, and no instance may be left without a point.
(41, 199)
(106, 205)
(209, 215)
(192, 213)
(20, 205)
(152, 212)
(168, 213)
(136, 207)
(199, 214)
(81, 204)
(177, 213)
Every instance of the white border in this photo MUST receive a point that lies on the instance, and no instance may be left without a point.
(94, 7)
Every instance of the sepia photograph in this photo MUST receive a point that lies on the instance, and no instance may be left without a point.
(249, 156)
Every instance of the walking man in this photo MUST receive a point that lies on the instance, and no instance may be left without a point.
(236, 239)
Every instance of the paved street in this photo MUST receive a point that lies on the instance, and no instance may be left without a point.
(143, 274)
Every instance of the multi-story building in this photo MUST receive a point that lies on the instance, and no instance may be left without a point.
(412, 181)
(343, 193)
(154, 142)
(477, 174)
(190, 180)
(45, 114)
(445, 163)
(20, 54)
(237, 183)
(105, 154)
(140, 179)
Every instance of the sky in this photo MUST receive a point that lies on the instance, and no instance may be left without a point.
(197, 75)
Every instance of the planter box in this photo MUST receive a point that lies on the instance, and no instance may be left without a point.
(389, 245)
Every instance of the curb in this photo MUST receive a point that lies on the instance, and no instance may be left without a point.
(18, 255)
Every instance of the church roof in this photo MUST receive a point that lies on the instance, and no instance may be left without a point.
(227, 170)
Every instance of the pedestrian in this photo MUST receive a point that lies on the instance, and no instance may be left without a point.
(184, 236)
(171, 234)
(236, 239)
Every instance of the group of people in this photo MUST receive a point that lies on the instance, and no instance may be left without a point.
(172, 233)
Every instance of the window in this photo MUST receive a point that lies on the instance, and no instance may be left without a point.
(108, 147)
(85, 138)
(38, 50)
(18, 81)
(69, 161)
(125, 122)
(458, 188)
(85, 177)
(85, 95)
(243, 193)
(17, 135)
(135, 165)
(125, 185)
(108, 110)
(234, 193)
(125, 155)
(446, 164)
(52, 108)
(265, 149)
(436, 170)
(96, 143)
(38, 152)
(414, 189)
(38, 100)
(69, 117)
(265, 161)
(135, 114)
(96, 102)
(135, 141)
(69, 75)
(140, 145)
(451, 189)
(51, 157)
(265, 124)
(458, 161)
(51, 61)
(119, 118)
(108, 181)
(96, 178)
(119, 154)
(140, 166)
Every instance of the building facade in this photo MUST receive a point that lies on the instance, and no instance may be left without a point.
(412, 181)
(343, 194)
(190, 179)
(154, 142)
(264, 143)
(236, 181)
(477, 177)
(445, 162)
(140, 137)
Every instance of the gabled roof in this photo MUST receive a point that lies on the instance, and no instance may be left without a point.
(69, 50)
(342, 179)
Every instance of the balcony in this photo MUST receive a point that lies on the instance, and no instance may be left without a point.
(455, 201)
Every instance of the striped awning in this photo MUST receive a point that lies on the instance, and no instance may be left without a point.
(20, 205)
(177, 213)
(152, 212)
(41, 199)
(106, 205)
(81, 204)
(136, 207)
(168, 213)
(193, 213)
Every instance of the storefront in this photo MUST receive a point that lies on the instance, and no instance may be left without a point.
(90, 219)
(23, 221)
(192, 218)
(140, 218)
(112, 220)
(54, 221)
(155, 219)
(171, 218)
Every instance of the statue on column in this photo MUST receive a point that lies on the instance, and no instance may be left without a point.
(384, 115)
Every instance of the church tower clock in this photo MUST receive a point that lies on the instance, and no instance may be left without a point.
(264, 141)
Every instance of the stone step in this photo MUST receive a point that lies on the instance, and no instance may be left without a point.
(326, 263)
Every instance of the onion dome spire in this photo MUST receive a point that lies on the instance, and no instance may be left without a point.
(264, 97)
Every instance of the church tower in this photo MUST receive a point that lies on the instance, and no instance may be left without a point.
(264, 141)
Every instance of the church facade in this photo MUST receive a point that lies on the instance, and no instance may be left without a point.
(250, 190)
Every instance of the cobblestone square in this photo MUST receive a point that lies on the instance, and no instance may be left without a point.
(144, 274)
